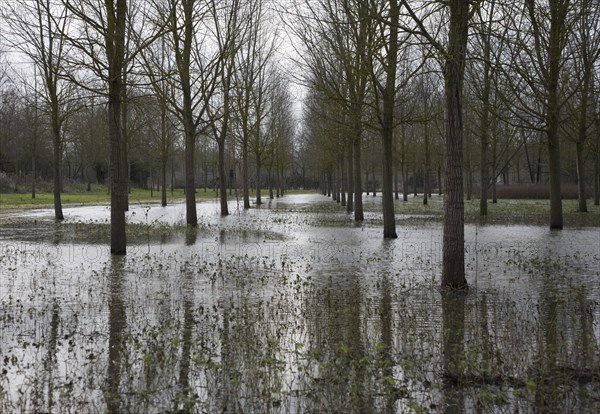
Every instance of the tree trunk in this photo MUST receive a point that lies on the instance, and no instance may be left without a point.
(57, 164)
(396, 185)
(581, 197)
(343, 178)
(222, 178)
(494, 175)
(350, 201)
(597, 180)
(358, 204)
(270, 182)
(33, 174)
(389, 216)
(118, 172)
(190, 169)
(415, 182)
(453, 255)
(163, 196)
(334, 193)
(530, 168)
(172, 177)
(553, 114)
(439, 175)
(485, 120)
(426, 167)
(556, 215)
(245, 186)
(115, 52)
(425, 186)
(403, 168)
(258, 193)
(405, 188)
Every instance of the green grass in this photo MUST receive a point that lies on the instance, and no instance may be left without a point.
(99, 195)
(508, 211)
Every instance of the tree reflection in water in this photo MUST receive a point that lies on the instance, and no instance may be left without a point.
(116, 327)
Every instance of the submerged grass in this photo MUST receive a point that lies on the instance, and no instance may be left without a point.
(507, 211)
(163, 332)
(245, 315)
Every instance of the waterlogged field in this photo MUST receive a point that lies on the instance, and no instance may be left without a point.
(292, 308)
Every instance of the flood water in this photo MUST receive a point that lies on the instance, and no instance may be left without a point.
(291, 307)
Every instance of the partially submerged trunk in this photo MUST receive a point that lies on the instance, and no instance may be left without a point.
(222, 179)
(350, 201)
(581, 197)
(453, 250)
(245, 180)
(163, 196)
(358, 204)
(57, 166)
(258, 194)
(597, 180)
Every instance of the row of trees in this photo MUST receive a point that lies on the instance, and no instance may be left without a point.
(501, 73)
(161, 73)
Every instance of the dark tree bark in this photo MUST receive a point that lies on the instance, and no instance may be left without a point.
(350, 201)
(597, 179)
(581, 197)
(453, 261)
(558, 12)
(115, 53)
(222, 178)
(403, 167)
(183, 49)
(245, 181)
(426, 167)
(485, 117)
(356, 152)
(387, 131)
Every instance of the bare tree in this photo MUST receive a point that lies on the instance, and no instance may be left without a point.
(454, 58)
(255, 53)
(101, 44)
(586, 50)
(336, 36)
(388, 33)
(195, 80)
(38, 29)
(539, 34)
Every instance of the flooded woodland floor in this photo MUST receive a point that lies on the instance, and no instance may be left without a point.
(291, 307)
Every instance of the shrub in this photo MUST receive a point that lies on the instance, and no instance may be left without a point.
(536, 191)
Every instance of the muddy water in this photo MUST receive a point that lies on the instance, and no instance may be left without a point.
(292, 308)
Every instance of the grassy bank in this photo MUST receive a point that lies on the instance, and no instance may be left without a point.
(99, 195)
